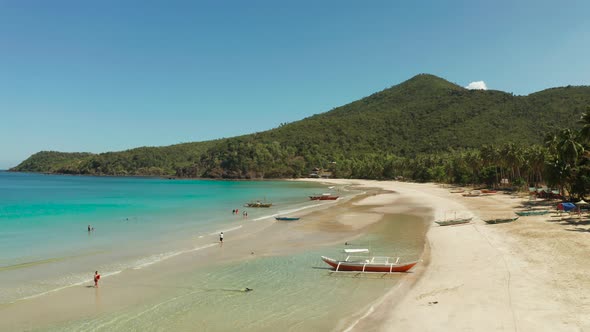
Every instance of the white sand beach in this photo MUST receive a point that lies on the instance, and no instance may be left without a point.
(529, 275)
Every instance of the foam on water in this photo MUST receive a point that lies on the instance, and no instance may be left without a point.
(138, 223)
(142, 222)
(294, 290)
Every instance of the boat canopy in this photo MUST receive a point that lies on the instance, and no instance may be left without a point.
(356, 251)
(566, 206)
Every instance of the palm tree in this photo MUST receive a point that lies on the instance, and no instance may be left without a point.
(513, 159)
(565, 149)
(568, 146)
(585, 122)
(536, 156)
(490, 158)
(473, 161)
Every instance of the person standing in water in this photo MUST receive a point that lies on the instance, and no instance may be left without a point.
(96, 278)
(221, 237)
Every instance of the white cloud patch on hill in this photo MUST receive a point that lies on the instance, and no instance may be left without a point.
(477, 85)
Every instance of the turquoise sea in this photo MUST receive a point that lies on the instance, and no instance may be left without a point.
(45, 247)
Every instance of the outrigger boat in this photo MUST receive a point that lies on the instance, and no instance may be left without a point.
(324, 197)
(287, 218)
(473, 193)
(453, 221)
(258, 205)
(488, 191)
(532, 213)
(500, 221)
(368, 264)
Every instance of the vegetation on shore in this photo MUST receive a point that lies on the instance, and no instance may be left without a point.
(425, 129)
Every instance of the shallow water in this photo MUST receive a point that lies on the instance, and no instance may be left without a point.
(291, 292)
(140, 223)
(44, 240)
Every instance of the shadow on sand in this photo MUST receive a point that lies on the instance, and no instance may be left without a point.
(578, 229)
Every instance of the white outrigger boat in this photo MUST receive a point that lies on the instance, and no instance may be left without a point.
(367, 263)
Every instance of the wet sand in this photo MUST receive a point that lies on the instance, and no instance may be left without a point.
(529, 275)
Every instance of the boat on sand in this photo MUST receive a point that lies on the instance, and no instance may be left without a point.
(488, 191)
(532, 213)
(287, 218)
(501, 220)
(473, 193)
(454, 221)
(368, 263)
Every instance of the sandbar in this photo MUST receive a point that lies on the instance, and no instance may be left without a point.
(529, 275)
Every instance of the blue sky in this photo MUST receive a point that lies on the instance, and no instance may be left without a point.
(112, 75)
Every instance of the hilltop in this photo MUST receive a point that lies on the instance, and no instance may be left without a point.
(423, 115)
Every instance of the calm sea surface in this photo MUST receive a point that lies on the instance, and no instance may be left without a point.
(45, 246)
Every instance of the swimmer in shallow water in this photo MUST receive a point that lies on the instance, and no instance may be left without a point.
(247, 289)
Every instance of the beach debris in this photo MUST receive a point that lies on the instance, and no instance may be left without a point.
(433, 302)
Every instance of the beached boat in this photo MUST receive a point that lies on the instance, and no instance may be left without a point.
(258, 205)
(501, 220)
(457, 191)
(323, 197)
(368, 264)
(488, 191)
(287, 218)
(532, 213)
(473, 193)
(454, 221)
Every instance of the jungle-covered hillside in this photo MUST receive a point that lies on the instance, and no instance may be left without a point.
(379, 136)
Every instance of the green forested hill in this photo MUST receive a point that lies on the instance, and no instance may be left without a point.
(159, 161)
(50, 161)
(425, 115)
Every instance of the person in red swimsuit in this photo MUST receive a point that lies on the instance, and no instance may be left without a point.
(96, 278)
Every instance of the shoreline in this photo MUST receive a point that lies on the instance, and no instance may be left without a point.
(330, 225)
(531, 274)
(527, 275)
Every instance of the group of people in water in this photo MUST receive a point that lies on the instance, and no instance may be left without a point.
(237, 211)
(90, 228)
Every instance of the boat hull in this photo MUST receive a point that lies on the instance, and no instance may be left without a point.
(286, 218)
(453, 222)
(367, 267)
(488, 191)
(532, 213)
(323, 198)
(258, 205)
(501, 221)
